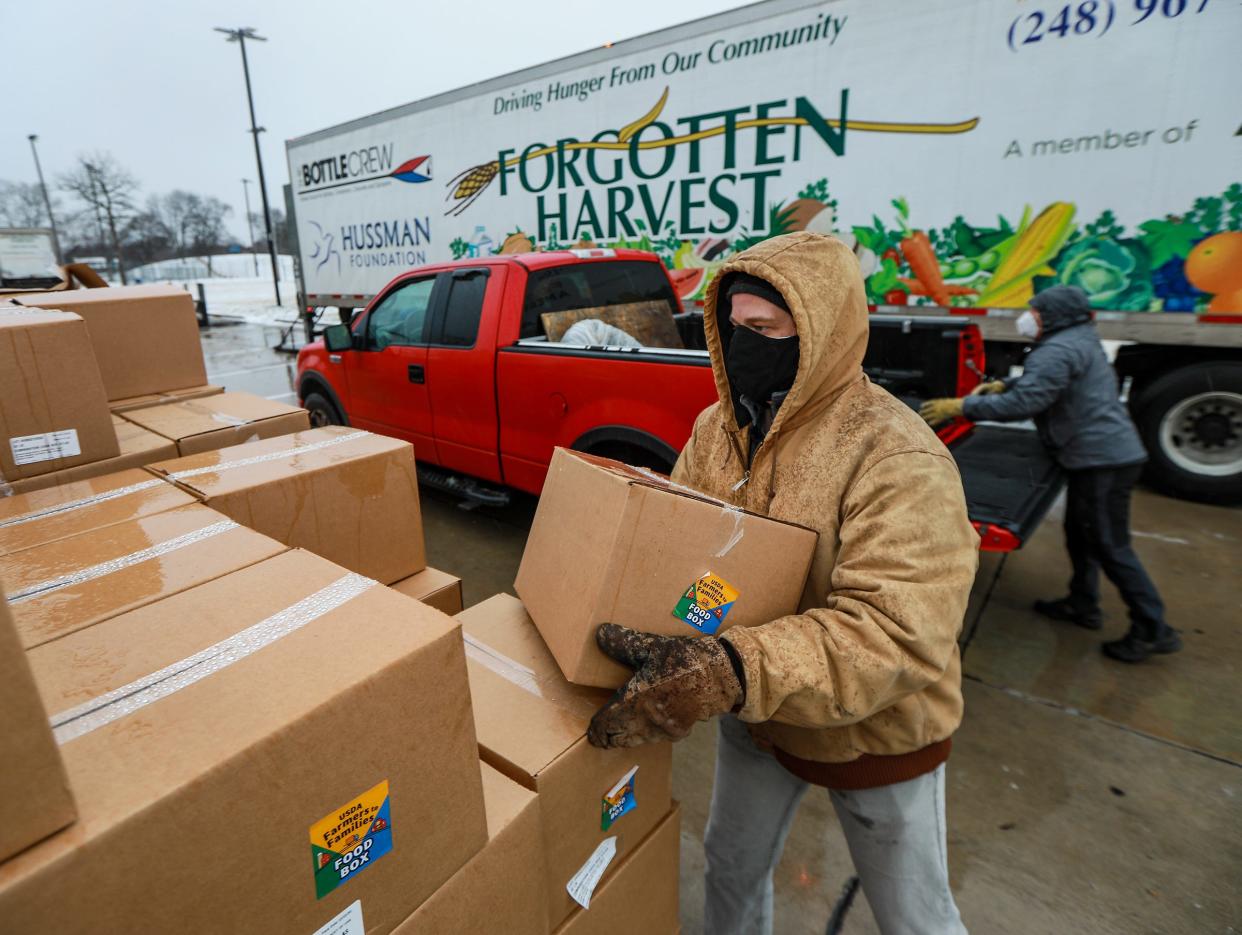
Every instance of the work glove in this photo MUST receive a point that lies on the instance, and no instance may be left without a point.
(990, 388)
(677, 682)
(935, 411)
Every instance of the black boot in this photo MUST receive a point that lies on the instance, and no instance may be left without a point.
(1139, 645)
(1065, 611)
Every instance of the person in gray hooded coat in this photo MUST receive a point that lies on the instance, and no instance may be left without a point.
(1069, 388)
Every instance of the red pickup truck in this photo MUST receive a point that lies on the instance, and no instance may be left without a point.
(456, 358)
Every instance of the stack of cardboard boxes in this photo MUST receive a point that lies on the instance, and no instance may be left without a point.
(95, 381)
(256, 738)
(236, 701)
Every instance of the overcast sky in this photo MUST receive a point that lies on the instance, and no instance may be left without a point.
(150, 82)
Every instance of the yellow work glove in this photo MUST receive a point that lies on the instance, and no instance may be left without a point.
(936, 411)
(990, 388)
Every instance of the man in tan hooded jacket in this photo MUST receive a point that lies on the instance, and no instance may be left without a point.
(860, 692)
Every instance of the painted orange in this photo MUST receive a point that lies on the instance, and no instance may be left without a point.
(1215, 266)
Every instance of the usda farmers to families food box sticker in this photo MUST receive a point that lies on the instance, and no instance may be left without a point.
(706, 603)
(349, 840)
(619, 800)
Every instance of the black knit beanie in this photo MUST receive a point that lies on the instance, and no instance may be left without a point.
(752, 285)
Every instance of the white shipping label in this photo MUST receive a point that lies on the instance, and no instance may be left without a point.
(346, 922)
(583, 883)
(29, 449)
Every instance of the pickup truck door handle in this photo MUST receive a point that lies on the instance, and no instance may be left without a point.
(417, 373)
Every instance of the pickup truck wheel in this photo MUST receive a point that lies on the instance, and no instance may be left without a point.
(321, 410)
(631, 454)
(1191, 423)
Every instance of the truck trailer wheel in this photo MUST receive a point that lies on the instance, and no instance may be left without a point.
(322, 411)
(1191, 423)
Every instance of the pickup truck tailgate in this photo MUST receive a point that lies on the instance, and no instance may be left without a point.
(1010, 483)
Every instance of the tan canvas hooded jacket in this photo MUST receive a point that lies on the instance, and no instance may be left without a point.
(870, 664)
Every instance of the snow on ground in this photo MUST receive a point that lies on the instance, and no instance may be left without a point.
(251, 299)
(225, 266)
(248, 299)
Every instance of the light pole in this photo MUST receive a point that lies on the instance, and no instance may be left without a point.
(250, 225)
(90, 174)
(47, 201)
(240, 36)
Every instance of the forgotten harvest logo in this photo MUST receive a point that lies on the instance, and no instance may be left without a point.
(615, 196)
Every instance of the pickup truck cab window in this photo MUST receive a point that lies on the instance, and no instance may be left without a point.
(593, 285)
(463, 308)
(401, 316)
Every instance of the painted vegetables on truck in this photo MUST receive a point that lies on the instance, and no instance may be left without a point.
(1179, 263)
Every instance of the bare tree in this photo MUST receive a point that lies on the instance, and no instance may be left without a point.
(21, 205)
(108, 189)
(177, 210)
(147, 238)
(207, 227)
(280, 230)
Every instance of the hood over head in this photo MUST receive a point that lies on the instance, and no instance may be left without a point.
(1061, 307)
(822, 285)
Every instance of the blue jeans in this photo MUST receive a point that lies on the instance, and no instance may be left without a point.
(896, 837)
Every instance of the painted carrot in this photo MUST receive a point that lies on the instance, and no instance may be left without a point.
(917, 250)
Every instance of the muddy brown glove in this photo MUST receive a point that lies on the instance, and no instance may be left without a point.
(935, 411)
(677, 682)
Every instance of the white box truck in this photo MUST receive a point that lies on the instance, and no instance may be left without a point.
(972, 151)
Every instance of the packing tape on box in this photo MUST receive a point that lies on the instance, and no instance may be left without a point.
(113, 705)
(271, 456)
(82, 502)
(224, 418)
(125, 561)
(502, 665)
(736, 537)
(738, 513)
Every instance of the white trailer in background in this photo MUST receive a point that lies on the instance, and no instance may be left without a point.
(28, 259)
(972, 151)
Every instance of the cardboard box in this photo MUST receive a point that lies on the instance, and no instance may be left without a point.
(220, 421)
(53, 411)
(63, 586)
(145, 337)
(433, 587)
(616, 544)
(641, 896)
(137, 445)
(156, 399)
(34, 791)
(204, 798)
(502, 888)
(342, 493)
(31, 519)
(531, 725)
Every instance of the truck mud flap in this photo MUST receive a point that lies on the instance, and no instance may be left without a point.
(1010, 481)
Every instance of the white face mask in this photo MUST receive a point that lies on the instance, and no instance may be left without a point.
(1028, 324)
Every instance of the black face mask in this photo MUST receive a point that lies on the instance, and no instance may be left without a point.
(758, 366)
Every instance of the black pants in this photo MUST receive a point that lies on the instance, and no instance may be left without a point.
(1097, 535)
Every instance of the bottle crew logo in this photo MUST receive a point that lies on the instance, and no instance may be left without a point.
(350, 839)
(361, 165)
(706, 603)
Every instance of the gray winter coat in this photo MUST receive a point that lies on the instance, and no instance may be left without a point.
(1069, 388)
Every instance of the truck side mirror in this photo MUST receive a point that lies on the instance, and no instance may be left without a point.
(338, 338)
